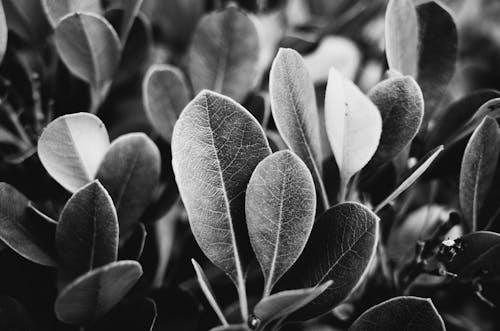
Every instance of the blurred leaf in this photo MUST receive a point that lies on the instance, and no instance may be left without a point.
(71, 148)
(130, 172)
(401, 105)
(479, 165)
(411, 176)
(89, 46)
(341, 246)
(280, 208)
(138, 315)
(87, 232)
(216, 145)
(131, 9)
(3, 33)
(27, 20)
(293, 105)
(13, 316)
(284, 303)
(165, 94)
(25, 231)
(402, 37)
(233, 327)
(400, 313)
(223, 55)
(353, 126)
(57, 9)
(133, 247)
(92, 295)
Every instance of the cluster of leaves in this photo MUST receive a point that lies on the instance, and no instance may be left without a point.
(312, 210)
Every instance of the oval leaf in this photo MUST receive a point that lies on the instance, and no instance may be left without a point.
(25, 231)
(479, 165)
(89, 47)
(94, 294)
(165, 94)
(401, 104)
(71, 148)
(87, 232)
(57, 9)
(280, 208)
(224, 54)
(130, 173)
(293, 104)
(340, 248)
(353, 125)
(400, 313)
(216, 145)
(3, 33)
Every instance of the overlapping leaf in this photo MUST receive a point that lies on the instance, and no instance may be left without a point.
(57, 9)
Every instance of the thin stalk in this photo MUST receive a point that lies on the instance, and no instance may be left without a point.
(242, 295)
(342, 189)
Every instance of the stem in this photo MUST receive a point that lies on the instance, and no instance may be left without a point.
(242, 294)
(323, 194)
(342, 189)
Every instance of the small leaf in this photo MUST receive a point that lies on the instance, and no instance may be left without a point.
(224, 53)
(401, 105)
(3, 33)
(89, 46)
(341, 246)
(400, 313)
(133, 247)
(216, 145)
(353, 125)
(57, 9)
(25, 231)
(412, 175)
(479, 165)
(130, 172)
(207, 290)
(71, 148)
(280, 208)
(284, 303)
(293, 104)
(402, 37)
(165, 94)
(87, 232)
(94, 294)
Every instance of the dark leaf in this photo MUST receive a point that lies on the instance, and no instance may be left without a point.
(137, 315)
(27, 20)
(57, 9)
(13, 316)
(130, 11)
(132, 248)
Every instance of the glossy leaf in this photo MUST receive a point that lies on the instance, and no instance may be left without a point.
(479, 165)
(280, 208)
(401, 104)
(224, 52)
(71, 148)
(216, 145)
(165, 94)
(400, 313)
(402, 37)
(92, 295)
(3, 33)
(411, 176)
(293, 105)
(353, 125)
(23, 230)
(89, 47)
(284, 303)
(130, 172)
(340, 248)
(57, 9)
(87, 232)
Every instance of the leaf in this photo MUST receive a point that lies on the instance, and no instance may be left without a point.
(224, 54)
(479, 165)
(353, 125)
(207, 290)
(233, 327)
(89, 47)
(87, 232)
(3, 33)
(293, 105)
(133, 247)
(341, 246)
(92, 295)
(23, 230)
(402, 37)
(400, 313)
(280, 208)
(57, 9)
(401, 104)
(165, 94)
(71, 148)
(131, 9)
(130, 172)
(284, 303)
(27, 20)
(216, 145)
(411, 176)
